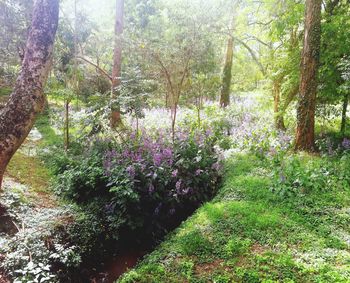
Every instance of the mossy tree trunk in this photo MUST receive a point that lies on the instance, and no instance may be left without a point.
(27, 99)
(305, 132)
(116, 119)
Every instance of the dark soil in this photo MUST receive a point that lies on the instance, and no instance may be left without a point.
(6, 224)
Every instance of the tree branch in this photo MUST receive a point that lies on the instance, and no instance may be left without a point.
(103, 72)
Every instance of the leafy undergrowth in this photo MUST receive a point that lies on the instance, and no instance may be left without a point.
(250, 233)
(30, 243)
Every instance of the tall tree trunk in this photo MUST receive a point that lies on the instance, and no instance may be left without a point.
(28, 99)
(279, 121)
(305, 132)
(343, 115)
(66, 125)
(117, 61)
(227, 75)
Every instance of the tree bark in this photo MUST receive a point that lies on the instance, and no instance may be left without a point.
(227, 75)
(28, 99)
(117, 61)
(305, 132)
(343, 115)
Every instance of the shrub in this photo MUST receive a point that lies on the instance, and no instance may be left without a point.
(299, 176)
(142, 185)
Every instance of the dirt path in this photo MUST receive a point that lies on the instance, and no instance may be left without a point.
(27, 169)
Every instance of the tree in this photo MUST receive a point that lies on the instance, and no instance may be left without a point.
(227, 72)
(27, 99)
(344, 67)
(15, 16)
(334, 63)
(117, 61)
(305, 133)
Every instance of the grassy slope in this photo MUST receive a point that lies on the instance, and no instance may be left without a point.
(31, 170)
(248, 234)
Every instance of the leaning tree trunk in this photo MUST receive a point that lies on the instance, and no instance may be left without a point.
(28, 99)
(117, 61)
(305, 132)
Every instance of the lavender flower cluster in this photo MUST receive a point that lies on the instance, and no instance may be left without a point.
(168, 175)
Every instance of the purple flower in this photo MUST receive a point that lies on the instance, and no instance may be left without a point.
(178, 185)
(107, 165)
(208, 132)
(157, 159)
(216, 166)
(273, 151)
(131, 171)
(346, 143)
(198, 172)
(174, 173)
(151, 188)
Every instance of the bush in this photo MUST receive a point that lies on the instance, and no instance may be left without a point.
(143, 185)
(298, 175)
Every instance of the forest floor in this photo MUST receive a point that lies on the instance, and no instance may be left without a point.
(29, 203)
(248, 234)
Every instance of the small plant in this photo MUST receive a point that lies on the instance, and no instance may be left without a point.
(195, 243)
(236, 247)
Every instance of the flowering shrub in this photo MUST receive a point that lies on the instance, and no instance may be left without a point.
(145, 184)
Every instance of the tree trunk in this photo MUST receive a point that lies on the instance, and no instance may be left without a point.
(117, 61)
(305, 132)
(27, 99)
(66, 125)
(173, 120)
(279, 121)
(227, 75)
(343, 115)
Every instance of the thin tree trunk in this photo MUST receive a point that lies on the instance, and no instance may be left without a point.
(343, 115)
(66, 125)
(117, 61)
(279, 121)
(173, 122)
(305, 132)
(227, 75)
(27, 99)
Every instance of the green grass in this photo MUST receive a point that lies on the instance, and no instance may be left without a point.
(250, 234)
(5, 91)
(31, 170)
(49, 135)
